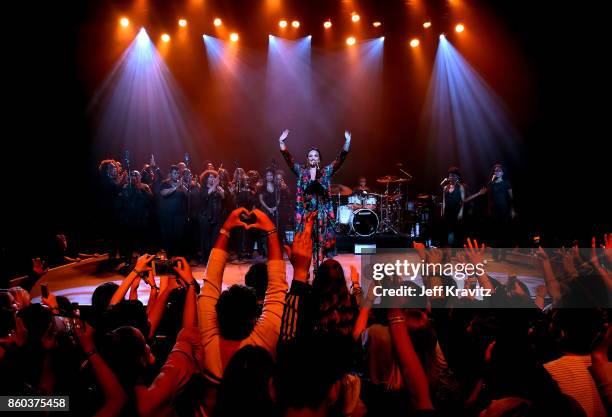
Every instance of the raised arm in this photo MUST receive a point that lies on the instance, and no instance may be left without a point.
(142, 267)
(213, 277)
(293, 166)
(410, 365)
(552, 285)
(190, 314)
(337, 163)
(266, 331)
(300, 256)
(114, 395)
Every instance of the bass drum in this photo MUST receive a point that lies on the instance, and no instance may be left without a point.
(364, 222)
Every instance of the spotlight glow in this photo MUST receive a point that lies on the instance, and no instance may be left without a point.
(355, 17)
(414, 42)
(351, 40)
(234, 37)
(459, 28)
(217, 22)
(427, 25)
(282, 24)
(327, 24)
(124, 21)
(165, 37)
(295, 24)
(376, 24)
(182, 23)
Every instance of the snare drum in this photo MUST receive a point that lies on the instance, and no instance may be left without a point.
(364, 222)
(370, 202)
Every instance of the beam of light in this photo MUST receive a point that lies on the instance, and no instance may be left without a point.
(182, 23)
(289, 95)
(236, 88)
(459, 28)
(348, 86)
(217, 22)
(350, 41)
(140, 107)
(327, 24)
(124, 21)
(282, 24)
(467, 122)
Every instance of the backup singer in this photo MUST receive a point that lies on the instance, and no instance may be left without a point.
(452, 206)
(313, 193)
(270, 199)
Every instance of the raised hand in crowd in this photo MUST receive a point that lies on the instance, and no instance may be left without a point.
(300, 252)
(115, 397)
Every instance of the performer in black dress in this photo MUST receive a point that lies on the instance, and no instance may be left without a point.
(211, 212)
(501, 209)
(452, 208)
(269, 197)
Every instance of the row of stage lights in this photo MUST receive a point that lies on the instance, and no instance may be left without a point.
(283, 24)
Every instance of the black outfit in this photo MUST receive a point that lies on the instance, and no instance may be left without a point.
(171, 214)
(274, 199)
(211, 220)
(500, 213)
(243, 240)
(134, 218)
(108, 205)
(193, 200)
(452, 207)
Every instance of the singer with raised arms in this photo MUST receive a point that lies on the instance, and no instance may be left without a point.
(313, 193)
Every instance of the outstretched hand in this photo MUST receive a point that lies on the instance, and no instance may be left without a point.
(347, 136)
(300, 253)
(283, 135)
(474, 252)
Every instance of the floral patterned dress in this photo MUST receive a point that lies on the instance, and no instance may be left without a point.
(312, 195)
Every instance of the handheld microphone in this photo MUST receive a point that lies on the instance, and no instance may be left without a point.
(443, 181)
(186, 158)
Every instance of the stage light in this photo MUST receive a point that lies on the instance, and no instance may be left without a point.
(217, 22)
(295, 24)
(282, 24)
(351, 40)
(459, 28)
(427, 25)
(124, 21)
(376, 24)
(234, 37)
(165, 37)
(414, 42)
(355, 17)
(327, 24)
(182, 23)
(442, 36)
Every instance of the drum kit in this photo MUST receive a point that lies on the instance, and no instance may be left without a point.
(363, 213)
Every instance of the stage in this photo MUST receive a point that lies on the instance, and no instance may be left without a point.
(77, 281)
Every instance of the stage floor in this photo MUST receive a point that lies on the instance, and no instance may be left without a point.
(78, 281)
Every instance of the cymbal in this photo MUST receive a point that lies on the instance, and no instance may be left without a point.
(340, 189)
(387, 179)
(403, 180)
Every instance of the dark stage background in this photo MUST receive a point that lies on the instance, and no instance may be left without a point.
(546, 60)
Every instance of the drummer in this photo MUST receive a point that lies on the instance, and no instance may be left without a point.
(362, 187)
